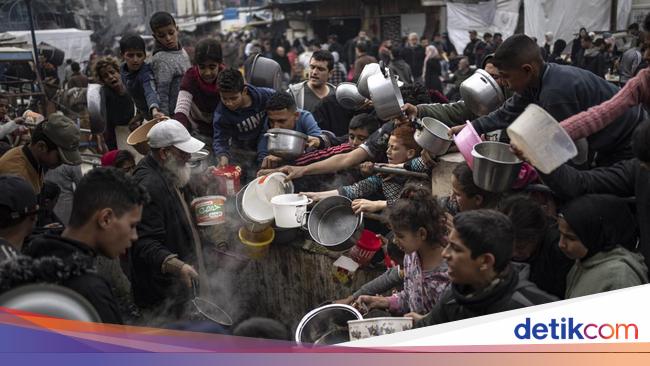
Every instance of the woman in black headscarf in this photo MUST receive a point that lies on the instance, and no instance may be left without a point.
(595, 231)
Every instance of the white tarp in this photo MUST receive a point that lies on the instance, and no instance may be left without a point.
(74, 42)
(495, 16)
(565, 18)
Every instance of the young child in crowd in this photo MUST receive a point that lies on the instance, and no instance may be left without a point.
(281, 112)
(465, 194)
(482, 279)
(595, 231)
(120, 159)
(401, 148)
(169, 61)
(420, 229)
(238, 119)
(199, 94)
(119, 107)
(138, 78)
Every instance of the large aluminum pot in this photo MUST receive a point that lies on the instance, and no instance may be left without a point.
(481, 93)
(320, 324)
(348, 96)
(95, 101)
(495, 167)
(287, 144)
(362, 83)
(50, 300)
(432, 135)
(263, 72)
(385, 94)
(334, 225)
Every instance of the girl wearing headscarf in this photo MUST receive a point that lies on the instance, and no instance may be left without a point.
(432, 70)
(595, 231)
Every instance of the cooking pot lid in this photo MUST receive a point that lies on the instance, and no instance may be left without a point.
(284, 131)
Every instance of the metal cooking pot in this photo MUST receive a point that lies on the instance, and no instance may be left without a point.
(432, 135)
(385, 94)
(495, 167)
(326, 320)
(481, 93)
(287, 144)
(362, 83)
(348, 96)
(334, 225)
(251, 225)
(95, 102)
(263, 72)
(51, 300)
(199, 161)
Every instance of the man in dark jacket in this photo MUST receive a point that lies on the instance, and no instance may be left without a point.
(159, 260)
(413, 53)
(107, 207)
(627, 178)
(562, 91)
(483, 280)
(18, 211)
(469, 48)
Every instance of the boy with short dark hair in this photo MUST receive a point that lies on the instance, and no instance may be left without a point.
(483, 280)
(137, 76)
(239, 118)
(106, 208)
(169, 61)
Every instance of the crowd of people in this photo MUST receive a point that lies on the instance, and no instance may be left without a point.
(580, 230)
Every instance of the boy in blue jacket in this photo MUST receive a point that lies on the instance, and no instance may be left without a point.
(138, 78)
(281, 112)
(238, 119)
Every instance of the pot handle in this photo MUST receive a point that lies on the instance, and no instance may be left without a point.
(270, 134)
(382, 68)
(303, 221)
(417, 123)
(195, 286)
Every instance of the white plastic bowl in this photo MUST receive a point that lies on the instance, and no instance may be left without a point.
(289, 210)
(539, 136)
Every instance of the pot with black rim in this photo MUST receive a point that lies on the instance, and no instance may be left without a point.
(286, 144)
(263, 72)
(334, 225)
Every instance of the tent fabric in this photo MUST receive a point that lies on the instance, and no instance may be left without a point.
(565, 18)
(491, 16)
(74, 42)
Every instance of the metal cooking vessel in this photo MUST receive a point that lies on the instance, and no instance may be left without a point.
(251, 225)
(95, 102)
(432, 135)
(287, 144)
(326, 320)
(481, 93)
(385, 94)
(51, 300)
(199, 161)
(495, 167)
(362, 83)
(264, 72)
(333, 224)
(348, 96)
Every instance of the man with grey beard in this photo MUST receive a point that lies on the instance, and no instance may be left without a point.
(160, 269)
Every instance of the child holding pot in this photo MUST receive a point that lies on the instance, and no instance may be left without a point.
(420, 229)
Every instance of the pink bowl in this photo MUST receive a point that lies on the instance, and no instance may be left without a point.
(465, 140)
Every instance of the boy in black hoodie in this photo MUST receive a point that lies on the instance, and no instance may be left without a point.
(106, 208)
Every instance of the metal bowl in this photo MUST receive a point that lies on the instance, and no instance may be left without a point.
(199, 161)
(263, 72)
(348, 96)
(495, 167)
(326, 320)
(334, 225)
(481, 93)
(51, 300)
(432, 136)
(287, 144)
(362, 83)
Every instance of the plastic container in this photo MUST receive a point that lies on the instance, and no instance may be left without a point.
(366, 247)
(256, 245)
(366, 328)
(289, 210)
(465, 141)
(256, 200)
(228, 179)
(209, 210)
(541, 139)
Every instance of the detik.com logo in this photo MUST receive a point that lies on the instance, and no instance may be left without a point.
(568, 328)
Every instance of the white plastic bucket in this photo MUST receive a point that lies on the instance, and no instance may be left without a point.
(539, 136)
(289, 210)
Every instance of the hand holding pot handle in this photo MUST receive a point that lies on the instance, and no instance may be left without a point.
(187, 274)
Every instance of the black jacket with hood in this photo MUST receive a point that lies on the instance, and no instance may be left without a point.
(163, 231)
(511, 291)
(67, 262)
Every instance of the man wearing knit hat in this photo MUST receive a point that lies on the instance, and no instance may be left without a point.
(161, 275)
(54, 142)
